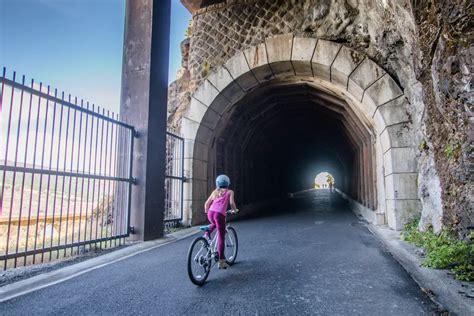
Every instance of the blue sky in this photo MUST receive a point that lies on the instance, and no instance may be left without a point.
(75, 45)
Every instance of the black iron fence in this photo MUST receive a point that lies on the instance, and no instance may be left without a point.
(174, 179)
(65, 174)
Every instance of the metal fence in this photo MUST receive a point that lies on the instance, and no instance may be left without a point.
(65, 174)
(174, 179)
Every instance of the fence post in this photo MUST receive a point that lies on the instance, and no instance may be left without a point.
(144, 104)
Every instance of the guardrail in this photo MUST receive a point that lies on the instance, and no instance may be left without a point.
(174, 179)
(65, 174)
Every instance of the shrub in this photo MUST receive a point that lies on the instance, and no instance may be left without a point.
(444, 250)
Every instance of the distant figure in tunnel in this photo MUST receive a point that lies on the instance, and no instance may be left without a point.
(216, 210)
(330, 181)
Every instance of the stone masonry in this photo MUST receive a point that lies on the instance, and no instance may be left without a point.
(426, 46)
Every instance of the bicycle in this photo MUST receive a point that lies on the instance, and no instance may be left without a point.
(202, 253)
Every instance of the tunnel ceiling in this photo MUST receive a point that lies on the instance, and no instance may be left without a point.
(292, 113)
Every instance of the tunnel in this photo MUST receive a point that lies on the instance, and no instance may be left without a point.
(279, 137)
(277, 114)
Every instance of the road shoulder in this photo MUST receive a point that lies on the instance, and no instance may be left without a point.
(447, 292)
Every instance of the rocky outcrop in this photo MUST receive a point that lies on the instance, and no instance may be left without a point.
(445, 37)
(179, 92)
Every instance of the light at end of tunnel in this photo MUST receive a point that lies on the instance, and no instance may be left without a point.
(324, 180)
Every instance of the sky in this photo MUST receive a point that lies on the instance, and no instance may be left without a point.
(75, 45)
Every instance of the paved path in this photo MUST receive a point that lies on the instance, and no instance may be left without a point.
(311, 257)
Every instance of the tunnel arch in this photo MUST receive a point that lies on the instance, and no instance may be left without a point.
(279, 89)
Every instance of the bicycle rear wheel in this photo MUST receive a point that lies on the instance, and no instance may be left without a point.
(199, 261)
(231, 245)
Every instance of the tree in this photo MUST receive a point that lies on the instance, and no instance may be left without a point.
(330, 179)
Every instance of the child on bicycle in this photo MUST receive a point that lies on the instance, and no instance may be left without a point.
(216, 210)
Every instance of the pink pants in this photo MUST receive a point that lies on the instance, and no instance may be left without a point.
(218, 220)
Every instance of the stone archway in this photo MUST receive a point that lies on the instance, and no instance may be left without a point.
(370, 105)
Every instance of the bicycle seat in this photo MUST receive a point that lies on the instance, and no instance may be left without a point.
(205, 228)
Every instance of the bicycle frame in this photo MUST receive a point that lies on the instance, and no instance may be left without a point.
(203, 253)
(213, 246)
(212, 250)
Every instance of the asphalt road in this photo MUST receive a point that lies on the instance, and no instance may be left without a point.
(311, 257)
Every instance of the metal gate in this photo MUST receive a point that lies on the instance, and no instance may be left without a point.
(174, 179)
(65, 174)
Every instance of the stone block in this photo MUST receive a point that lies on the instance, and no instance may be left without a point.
(197, 168)
(263, 73)
(187, 213)
(279, 54)
(323, 57)
(346, 61)
(198, 215)
(199, 190)
(247, 81)
(190, 128)
(188, 148)
(399, 135)
(303, 49)
(381, 92)
(379, 120)
(400, 160)
(368, 108)
(395, 111)
(211, 118)
(206, 93)
(279, 48)
(258, 62)
(380, 218)
(401, 186)
(196, 150)
(233, 92)
(392, 113)
(220, 78)
(220, 104)
(256, 56)
(399, 212)
(188, 167)
(240, 71)
(196, 110)
(282, 69)
(363, 76)
(237, 65)
(188, 189)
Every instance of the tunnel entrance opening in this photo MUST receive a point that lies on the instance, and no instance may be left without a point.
(324, 180)
(275, 112)
(274, 139)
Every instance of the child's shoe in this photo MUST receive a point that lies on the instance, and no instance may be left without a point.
(222, 264)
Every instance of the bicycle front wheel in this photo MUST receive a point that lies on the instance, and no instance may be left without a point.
(231, 245)
(199, 261)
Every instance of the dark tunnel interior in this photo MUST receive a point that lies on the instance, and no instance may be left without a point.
(278, 137)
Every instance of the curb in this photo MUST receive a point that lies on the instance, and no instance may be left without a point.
(41, 281)
(443, 289)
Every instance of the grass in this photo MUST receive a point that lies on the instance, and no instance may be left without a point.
(444, 250)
